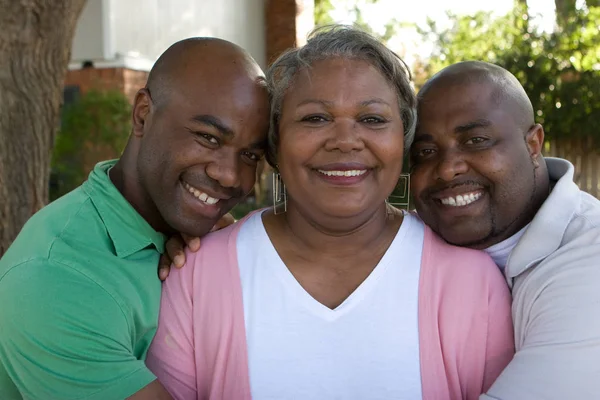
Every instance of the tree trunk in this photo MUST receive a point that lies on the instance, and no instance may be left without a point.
(35, 48)
(564, 9)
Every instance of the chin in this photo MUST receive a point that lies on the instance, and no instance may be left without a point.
(465, 237)
(345, 210)
(195, 227)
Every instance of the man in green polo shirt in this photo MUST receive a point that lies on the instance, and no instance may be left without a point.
(79, 292)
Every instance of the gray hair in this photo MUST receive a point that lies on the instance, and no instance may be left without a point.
(339, 41)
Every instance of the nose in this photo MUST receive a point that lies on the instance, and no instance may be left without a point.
(225, 170)
(451, 165)
(345, 137)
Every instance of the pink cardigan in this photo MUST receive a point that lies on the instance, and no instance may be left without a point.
(465, 325)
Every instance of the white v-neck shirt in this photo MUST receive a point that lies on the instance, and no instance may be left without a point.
(366, 348)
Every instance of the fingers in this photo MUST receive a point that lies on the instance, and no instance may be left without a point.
(224, 222)
(164, 266)
(175, 250)
(192, 242)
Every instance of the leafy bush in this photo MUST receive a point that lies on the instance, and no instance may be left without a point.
(93, 128)
(560, 70)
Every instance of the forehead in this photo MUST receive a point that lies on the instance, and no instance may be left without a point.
(456, 99)
(227, 97)
(341, 78)
(456, 104)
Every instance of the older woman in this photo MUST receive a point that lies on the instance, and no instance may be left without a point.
(334, 294)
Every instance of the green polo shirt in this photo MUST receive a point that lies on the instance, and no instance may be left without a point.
(79, 298)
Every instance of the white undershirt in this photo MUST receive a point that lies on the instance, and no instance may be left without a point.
(501, 251)
(366, 348)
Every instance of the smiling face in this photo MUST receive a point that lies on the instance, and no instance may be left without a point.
(340, 139)
(474, 164)
(199, 150)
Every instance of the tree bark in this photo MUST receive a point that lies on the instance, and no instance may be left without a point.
(564, 9)
(35, 48)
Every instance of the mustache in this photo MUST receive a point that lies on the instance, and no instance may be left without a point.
(433, 190)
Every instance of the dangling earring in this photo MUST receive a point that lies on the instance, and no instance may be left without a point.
(400, 197)
(279, 195)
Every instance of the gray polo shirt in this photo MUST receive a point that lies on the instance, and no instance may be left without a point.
(554, 273)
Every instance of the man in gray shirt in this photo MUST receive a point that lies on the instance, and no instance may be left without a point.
(479, 180)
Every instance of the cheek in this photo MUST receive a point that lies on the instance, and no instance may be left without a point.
(388, 147)
(297, 148)
(247, 178)
(300, 141)
(417, 182)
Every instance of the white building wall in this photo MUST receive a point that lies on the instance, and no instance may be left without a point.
(88, 43)
(140, 30)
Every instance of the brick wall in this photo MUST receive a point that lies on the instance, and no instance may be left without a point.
(126, 80)
(280, 20)
(287, 24)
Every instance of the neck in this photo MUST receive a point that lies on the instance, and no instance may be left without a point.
(338, 236)
(125, 178)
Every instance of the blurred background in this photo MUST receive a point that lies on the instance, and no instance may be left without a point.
(68, 75)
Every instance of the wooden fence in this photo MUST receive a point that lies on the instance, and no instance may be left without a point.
(584, 155)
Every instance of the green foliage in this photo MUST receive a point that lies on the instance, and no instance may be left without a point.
(560, 71)
(244, 208)
(93, 128)
(323, 9)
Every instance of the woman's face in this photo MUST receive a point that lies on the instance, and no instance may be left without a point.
(341, 139)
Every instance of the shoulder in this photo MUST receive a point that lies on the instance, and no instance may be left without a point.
(48, 294)
(459, 278)
(66, 217)
(573, 266)
(453, 260)
(214, 264)
(581, 236)
(586, 217)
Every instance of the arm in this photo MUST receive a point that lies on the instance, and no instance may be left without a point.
(556, 307)
(171, 355)
(500, 347)
(54, 345)
(154, 391)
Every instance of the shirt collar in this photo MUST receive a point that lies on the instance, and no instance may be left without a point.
(500, 252)
(127, 229)
(545, 232)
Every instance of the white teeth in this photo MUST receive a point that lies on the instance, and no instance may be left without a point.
(200, 195)
(461, 200)
(353, 172)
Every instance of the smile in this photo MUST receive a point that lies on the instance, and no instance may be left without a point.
(200, 195)
(462, 200)
(353, 172)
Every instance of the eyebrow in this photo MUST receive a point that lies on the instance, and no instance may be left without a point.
(259, 145)
(315, 101)
(423, 137)
(479, 123)
(375, 100)
(327, 103)
(215, 123)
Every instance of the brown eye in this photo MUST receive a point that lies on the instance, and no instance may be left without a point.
(314, 118)
(476, 140)
(251, 156)
(207, 138)
(373, 120)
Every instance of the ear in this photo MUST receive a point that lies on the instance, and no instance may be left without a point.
(142, 108)
(535, 143)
